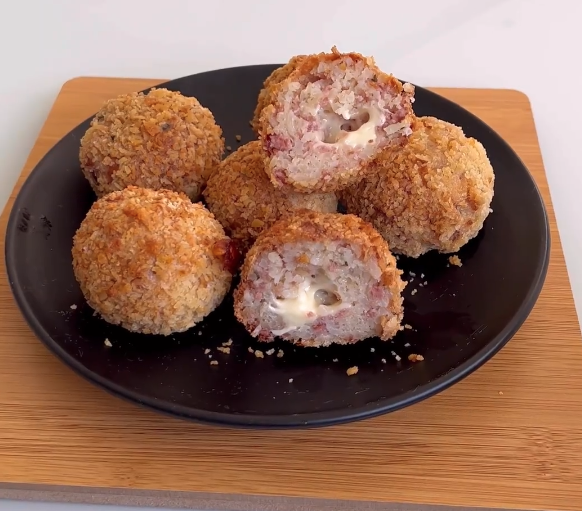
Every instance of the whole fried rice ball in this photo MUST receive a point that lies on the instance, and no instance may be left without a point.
(266, 94)
(315, 279)
(152, 261)
(433, 194)
(329, 118)
(157, 140)
(244, 201)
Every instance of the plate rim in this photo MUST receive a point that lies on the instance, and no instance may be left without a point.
(308, 420)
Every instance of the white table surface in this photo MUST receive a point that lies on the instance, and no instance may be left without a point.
(530, 45)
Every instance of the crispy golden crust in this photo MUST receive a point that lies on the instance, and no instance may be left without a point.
(266, 96)
(244, 201)
(312, 226)
(151, 261)
(159, 140)
(307, 65)
(434, 193)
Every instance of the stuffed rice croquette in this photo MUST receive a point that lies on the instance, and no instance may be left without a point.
(315, 279)
(244, 201)
(266, 94)
(433, 194)
(157, 140)
(329, 118)
(152, 261)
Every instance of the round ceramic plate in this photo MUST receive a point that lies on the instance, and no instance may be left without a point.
(460, 316)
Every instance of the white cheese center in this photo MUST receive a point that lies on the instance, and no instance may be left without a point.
(316, 297)
(358, 130)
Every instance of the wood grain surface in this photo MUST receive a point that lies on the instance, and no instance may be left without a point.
(510, 435)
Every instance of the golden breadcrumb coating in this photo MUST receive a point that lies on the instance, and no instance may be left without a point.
(244, 201)
(151, 260)
(265, 96)
(157, 140)
(432, 194)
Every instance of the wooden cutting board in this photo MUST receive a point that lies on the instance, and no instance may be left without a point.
(509, 436)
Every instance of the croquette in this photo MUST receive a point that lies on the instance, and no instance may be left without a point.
(245, 202)
(276, 77)
(152, 261)
(329, 118)
(315, 279)
(161, 139)
(433, 194)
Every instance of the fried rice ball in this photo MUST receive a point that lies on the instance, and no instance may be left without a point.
(266, 94)
(244, 201)
(433, 194)
(152, 261)
(329, 118)
(315, 279)
(161, 139)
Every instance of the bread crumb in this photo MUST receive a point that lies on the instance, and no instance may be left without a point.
(414, 291)
(407, 326)
(397, 357)
(407, 345)
(422, 275)
(383, 360)
(251, 350)
(352, 370)
(420, 284)
(224, 349)
(206, 351)
(238, 138)
(108, 343)
(227, 343)
(290, 380)
(413, 357)
(412, 274)
(372, 350)
(425, 283)
(270, 352)
(335, 360)
(280, 354)
(455, 260)
(214, 362)
(500, 393)
(199, 332)
(228, 148)
(259, 354)
(73, 307)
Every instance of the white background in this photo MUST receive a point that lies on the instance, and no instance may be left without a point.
(531, 45)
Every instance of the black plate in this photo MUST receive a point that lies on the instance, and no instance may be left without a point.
(459, 320)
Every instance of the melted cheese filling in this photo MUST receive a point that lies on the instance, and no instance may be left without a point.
(316, 297)
(358, 130)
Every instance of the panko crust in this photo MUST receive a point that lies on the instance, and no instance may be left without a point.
(157, 140)
(305, 66)
(244, 201)
(433, 194)
(313, 226)
(151, 260)
(266, 94)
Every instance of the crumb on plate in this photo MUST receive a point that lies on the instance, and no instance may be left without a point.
(352, 370)
(455, 260)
